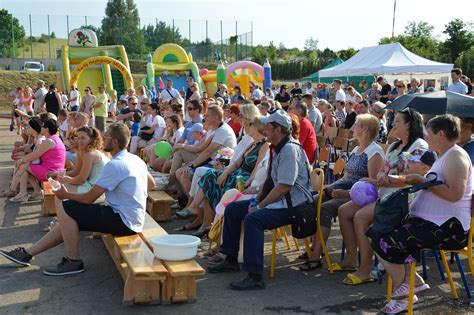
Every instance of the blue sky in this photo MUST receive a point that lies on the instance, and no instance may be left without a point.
(336, 24)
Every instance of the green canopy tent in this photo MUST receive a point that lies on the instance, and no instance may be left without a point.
(355, 80)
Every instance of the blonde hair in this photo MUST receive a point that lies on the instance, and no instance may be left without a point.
(375, 84)
(249, 111)
(371, 123)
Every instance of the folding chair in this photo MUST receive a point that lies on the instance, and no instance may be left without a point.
(344, 133)
(332, 133)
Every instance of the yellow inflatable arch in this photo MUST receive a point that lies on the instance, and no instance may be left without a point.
(170, 53)
(102, 60)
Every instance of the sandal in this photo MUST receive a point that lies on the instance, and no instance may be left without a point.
(397, 306)
(336, 267)
(49, 226)
(404, 290)
(184, 214)
(19, 198)
(352, 279)
(310, 265)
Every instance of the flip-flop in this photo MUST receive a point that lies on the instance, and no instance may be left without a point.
(336, 267)
(404, 290)
(397, 306)
(310, 265)
(184, 214)
(354, 280)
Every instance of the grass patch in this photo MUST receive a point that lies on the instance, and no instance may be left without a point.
(40, 50)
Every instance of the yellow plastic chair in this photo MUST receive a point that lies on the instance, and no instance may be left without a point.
(411, 291)
(317, 180)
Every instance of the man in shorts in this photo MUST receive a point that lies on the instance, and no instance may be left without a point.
(125, 182)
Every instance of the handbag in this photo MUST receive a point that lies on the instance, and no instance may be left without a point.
(303, 216)
(145, 136)
(391, 210)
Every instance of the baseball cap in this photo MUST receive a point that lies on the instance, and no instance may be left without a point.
(420, 155)
(279, 116)
(198, 127)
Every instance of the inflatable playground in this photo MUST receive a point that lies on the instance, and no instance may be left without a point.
(85, 63)
(171, 62)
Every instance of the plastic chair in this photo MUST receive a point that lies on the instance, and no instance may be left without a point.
(318, 185)
(412, 283)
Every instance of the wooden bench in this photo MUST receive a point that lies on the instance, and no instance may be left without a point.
(158, 205)
(148, 279)
(49, 206)
(180, 285)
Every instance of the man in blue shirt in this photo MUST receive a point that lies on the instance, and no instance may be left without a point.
(457, 85)
(125, 182)
(323, 93)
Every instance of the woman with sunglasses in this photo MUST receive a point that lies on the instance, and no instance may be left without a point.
(402, 89)
(87, 105)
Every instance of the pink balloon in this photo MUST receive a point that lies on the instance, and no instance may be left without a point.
(203, 72)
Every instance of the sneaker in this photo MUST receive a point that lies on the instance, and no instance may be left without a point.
(223, 266)
(18, 255)
(19, 198)
(66, 267)
(247, 283)
(36, 196)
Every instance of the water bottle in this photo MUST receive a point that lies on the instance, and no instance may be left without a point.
(55, 185)
(253, 202)
(240, 183)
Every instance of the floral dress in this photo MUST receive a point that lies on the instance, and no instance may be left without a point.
(208, 182)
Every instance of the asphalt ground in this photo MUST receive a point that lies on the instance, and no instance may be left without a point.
(100, 288)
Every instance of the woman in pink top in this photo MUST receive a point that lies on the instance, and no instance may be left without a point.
(440, 217)
(25, 106)
(52, 156)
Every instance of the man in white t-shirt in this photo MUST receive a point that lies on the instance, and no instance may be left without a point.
(309, 88)
(353, 95)
(457, 85)
(74, 98)
(38, 96)
(340, 95)
(169, 93)
(256, 92)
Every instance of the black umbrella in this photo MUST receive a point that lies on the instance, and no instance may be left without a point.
(436, 103)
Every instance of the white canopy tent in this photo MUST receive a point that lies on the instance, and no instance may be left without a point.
(386, 59)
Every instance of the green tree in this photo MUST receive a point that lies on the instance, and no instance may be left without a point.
(347, 53)
(161, 33)
(6, 40)
(260, 53)
(121, 26)
(418, 38)
(465, 61)
(311, 49)
(459, 39)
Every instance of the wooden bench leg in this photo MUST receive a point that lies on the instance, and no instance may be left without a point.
(160, 211)
(179, 289)
(141, 291)
(49, 205)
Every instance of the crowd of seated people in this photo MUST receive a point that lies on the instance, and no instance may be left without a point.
(265, 145)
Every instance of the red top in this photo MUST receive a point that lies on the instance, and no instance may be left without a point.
(236, 126)
(308, 139)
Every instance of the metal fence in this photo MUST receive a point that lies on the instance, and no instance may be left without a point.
(45, 34)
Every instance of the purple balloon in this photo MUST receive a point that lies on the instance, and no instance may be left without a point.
(363, 193)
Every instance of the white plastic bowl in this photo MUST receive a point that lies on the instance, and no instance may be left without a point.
(175, 246)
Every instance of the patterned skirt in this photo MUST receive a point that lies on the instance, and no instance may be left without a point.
(212, 191)
(404, 244)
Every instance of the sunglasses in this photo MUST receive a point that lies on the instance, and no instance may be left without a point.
(144, 103)
(190, 108)
(133, 103)
(86, 90)
(400, 86)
